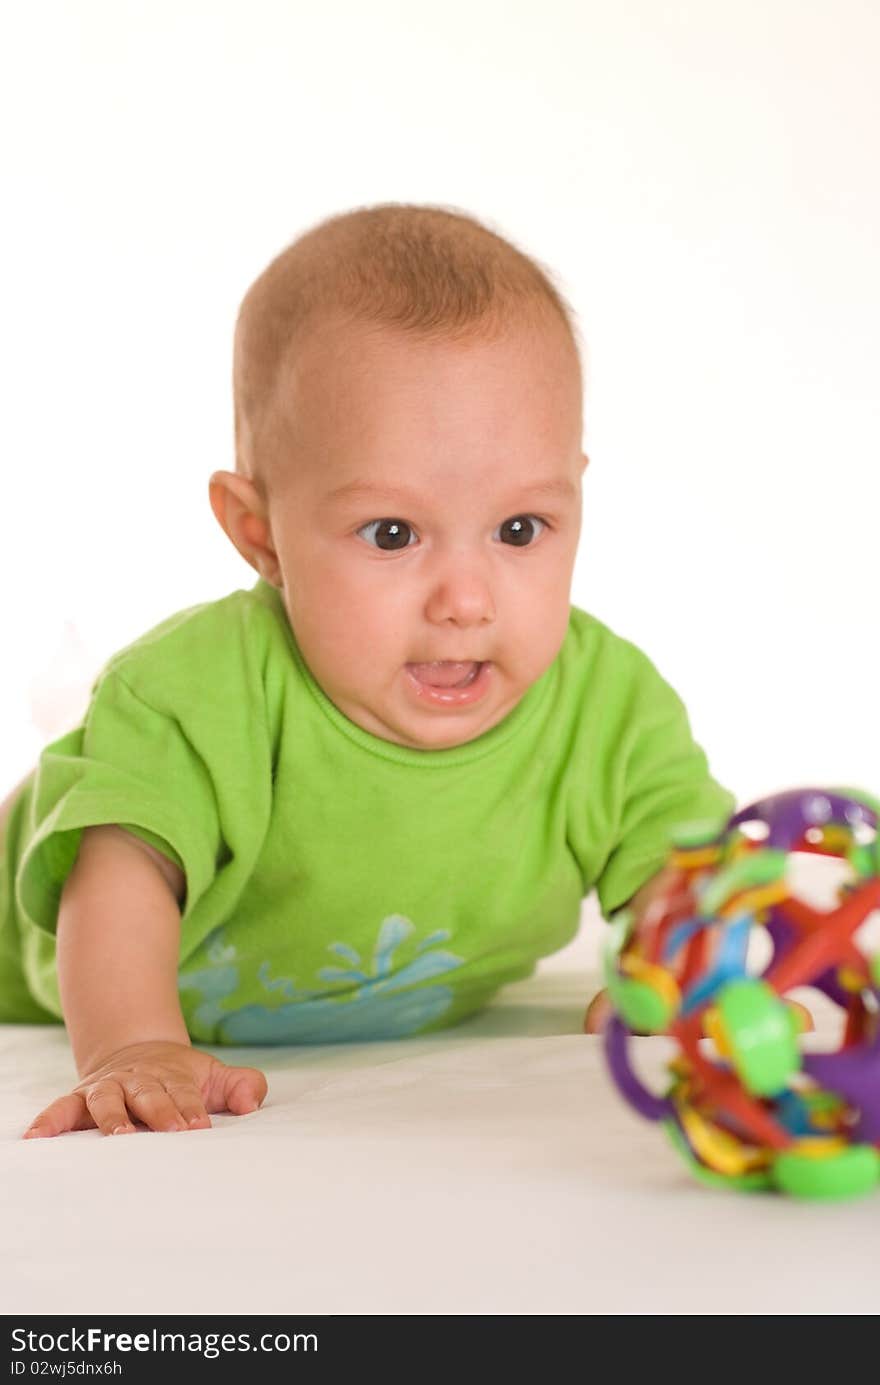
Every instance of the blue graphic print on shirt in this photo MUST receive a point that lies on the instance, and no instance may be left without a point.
(380, 1004)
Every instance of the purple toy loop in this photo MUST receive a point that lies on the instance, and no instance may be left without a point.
(617, 1036)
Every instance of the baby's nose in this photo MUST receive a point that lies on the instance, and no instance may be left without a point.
(461, 594)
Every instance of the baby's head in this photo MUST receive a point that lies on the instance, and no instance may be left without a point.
(408, 466)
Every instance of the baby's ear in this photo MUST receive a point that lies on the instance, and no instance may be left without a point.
(243, 516)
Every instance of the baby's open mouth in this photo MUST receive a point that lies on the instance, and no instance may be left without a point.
(445, 673)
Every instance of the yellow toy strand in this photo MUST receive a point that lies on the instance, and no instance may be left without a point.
(753, 901)
(818, 1146)
(695, 860)
(719, 1149)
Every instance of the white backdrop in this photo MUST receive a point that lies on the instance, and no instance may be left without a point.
(701, 176)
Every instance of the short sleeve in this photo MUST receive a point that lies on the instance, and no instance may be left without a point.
(127, 764)
(662, 781)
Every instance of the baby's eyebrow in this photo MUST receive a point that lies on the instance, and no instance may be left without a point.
(560, 487)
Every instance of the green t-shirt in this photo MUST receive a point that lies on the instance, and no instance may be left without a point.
(340, 886)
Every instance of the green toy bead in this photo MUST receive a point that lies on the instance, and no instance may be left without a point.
(639, 1005)
(848, 1174)
(762, 1034)
(861, 858)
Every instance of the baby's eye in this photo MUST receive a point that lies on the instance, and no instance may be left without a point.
(391, 534)
(521, 530)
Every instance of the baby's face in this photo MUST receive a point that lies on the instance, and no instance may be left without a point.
(428, 522)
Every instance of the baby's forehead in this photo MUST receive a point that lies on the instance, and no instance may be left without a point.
(357, 374)
(391, 422)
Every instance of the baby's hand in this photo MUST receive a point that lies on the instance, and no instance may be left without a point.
(598, 1013)
(165, 1086)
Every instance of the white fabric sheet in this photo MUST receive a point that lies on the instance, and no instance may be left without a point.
(489, 1169)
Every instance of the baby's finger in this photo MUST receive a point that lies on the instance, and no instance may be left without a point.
(106, 1104)
(66, 1113)
(239, 1090)
(148, 1100)
(805, 1021)
(598, 1013)
(188, 1100)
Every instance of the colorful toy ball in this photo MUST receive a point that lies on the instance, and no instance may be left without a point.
(747, 1107)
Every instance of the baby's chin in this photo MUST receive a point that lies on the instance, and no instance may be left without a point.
(442, 739)
(405, 720)
(431, 728)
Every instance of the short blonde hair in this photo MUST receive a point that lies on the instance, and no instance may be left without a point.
(435, 271)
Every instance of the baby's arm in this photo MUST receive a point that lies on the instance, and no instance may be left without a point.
(118, 941)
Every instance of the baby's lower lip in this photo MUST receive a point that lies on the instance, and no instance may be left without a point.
(471, 688)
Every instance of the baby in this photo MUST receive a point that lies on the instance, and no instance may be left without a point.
(355, 799)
